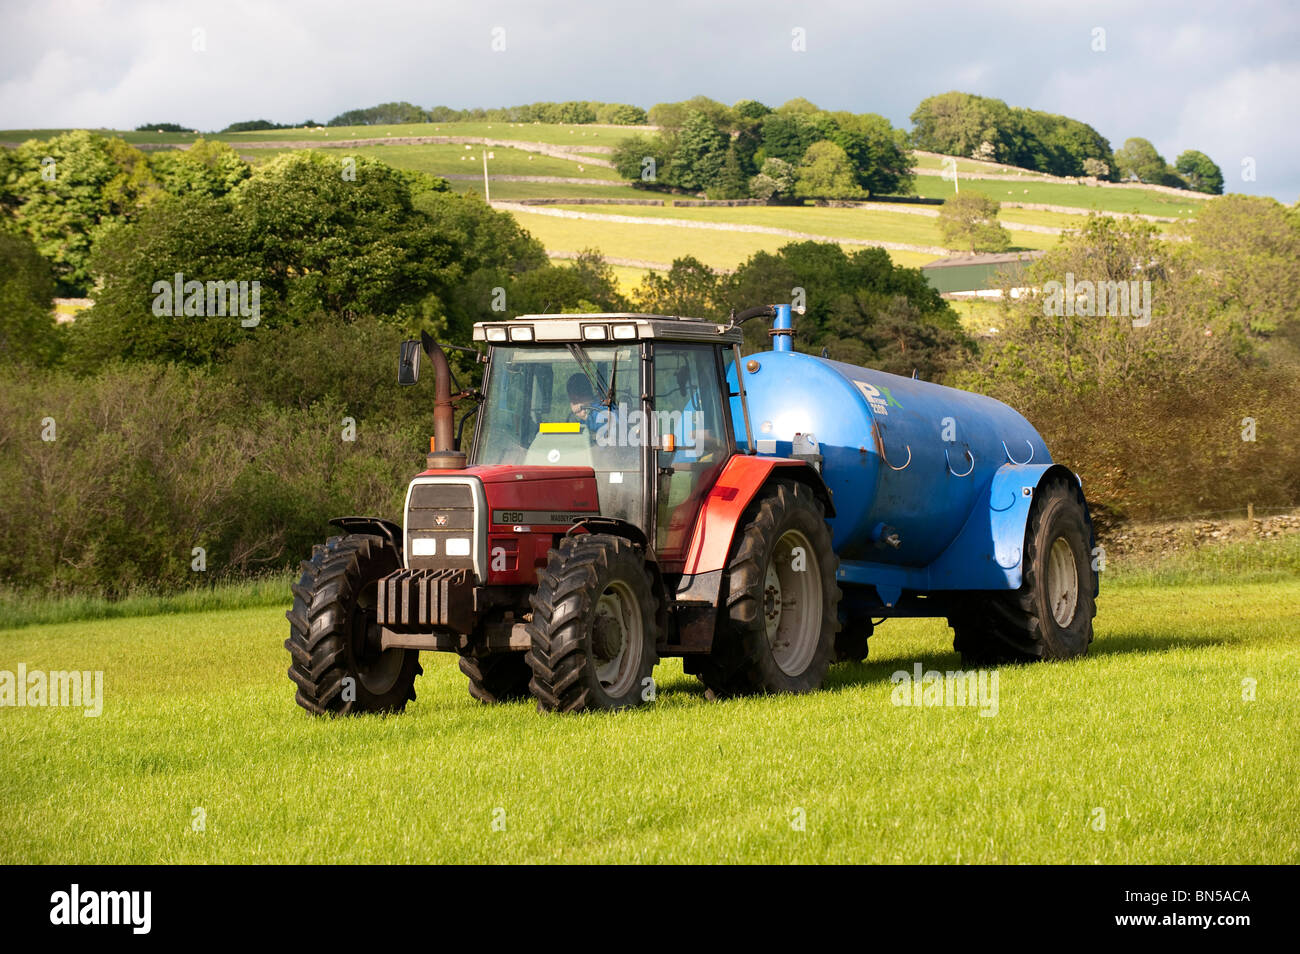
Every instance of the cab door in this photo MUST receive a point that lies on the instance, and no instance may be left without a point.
(693, 438)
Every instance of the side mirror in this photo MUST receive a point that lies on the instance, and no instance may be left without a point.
(408, 366)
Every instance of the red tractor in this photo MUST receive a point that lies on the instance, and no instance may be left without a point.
(610, 516)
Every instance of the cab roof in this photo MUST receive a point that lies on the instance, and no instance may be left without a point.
(618, 326)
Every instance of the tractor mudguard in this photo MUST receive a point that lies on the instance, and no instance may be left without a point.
(376, 525)
(740, 481)
(986, 554)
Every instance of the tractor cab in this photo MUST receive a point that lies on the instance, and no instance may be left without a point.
(642, 400)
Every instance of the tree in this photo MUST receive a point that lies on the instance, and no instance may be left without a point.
(322, 249)
(689, 288)
(956, 124)
(1243, 252)
(776, 178)
(1096, 168)
(860, 307)
(1138, 159)
(620, 114)
(385, 114)
(208, 167)
(27, 331)
(1200, 172)
(731, 181)
(66, 189)
(798, 105)
(1126, 402)
(164, 127)
(826, 172)
(644, 160)
(587, 281)
(788, 135)
(700, 154)
(970, 221)
(882, 163)
(960, 124)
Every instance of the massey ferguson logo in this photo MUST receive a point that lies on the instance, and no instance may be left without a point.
(440, 519)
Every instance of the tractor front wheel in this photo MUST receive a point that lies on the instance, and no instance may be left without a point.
(593, 628)
(336, 659)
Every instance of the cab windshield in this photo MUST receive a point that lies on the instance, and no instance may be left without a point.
(568, 405)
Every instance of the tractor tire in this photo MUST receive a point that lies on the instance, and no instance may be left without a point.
(1050, 615)
(781, 614)
(501, 677)
(335, 656)
(593, 626)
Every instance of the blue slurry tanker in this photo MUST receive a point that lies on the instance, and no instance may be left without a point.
(637, 488)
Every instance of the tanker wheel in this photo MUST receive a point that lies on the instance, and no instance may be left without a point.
(336, 660)
(1050, 616)
(593, 629)
(778, 632)
(499, 677)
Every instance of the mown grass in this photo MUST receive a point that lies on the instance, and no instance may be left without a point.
(1152, 727)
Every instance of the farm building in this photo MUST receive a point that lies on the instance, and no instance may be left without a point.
(978, 275)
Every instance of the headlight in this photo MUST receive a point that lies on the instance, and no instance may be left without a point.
(594, 331)
(424, 546)
(521, 333)
(624, 331)
(458, 546)
(496, 333)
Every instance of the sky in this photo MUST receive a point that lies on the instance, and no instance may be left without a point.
(1220, 77)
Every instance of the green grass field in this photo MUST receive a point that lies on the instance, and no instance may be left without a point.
(1082, 197)
(198, 716)
(662, 243)
(457, 160)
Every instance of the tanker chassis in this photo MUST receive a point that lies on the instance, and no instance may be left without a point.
(637, 488)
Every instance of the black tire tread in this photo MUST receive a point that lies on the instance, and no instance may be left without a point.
(318, 623)
(562, 605)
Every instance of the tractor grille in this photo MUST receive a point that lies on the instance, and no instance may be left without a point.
(442, 526)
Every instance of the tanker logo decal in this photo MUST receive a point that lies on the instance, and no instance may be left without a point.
(879, 398)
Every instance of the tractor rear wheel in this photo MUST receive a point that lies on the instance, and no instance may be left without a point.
(336, 659)
(1050, 616)
(778, 631)
(500, 677)
(593, 627)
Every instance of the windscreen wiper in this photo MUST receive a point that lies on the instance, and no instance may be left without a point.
(589, 369)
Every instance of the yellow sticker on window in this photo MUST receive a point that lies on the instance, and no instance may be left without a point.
(561, 427)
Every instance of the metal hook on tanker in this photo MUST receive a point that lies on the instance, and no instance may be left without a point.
(949, 462)
(891, 466)
(1019, 463)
